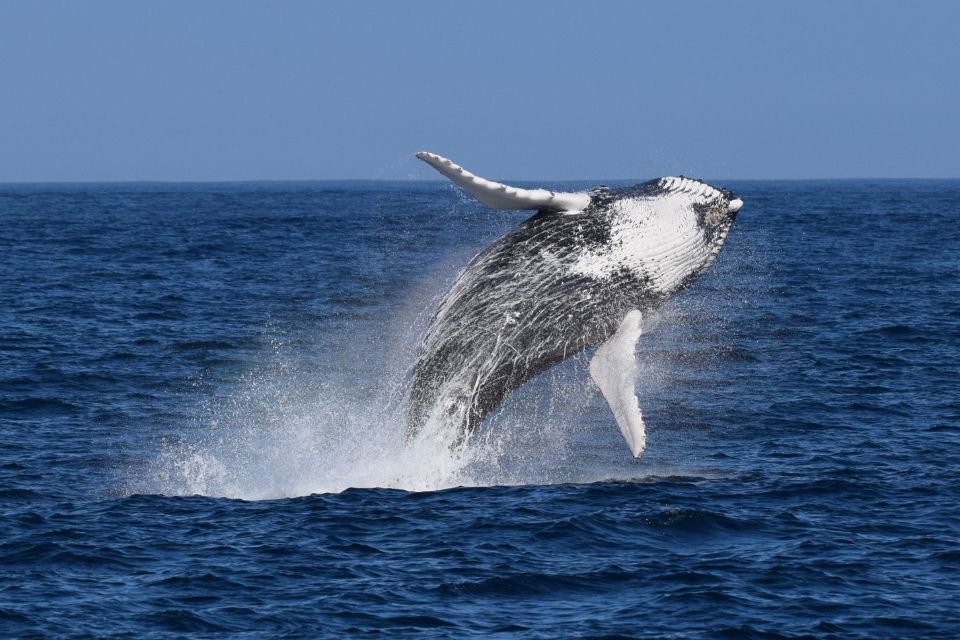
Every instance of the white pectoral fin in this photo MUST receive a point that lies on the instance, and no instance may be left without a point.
(614, 369)
(500, 196)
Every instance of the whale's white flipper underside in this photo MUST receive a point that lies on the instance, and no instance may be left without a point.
(500, 196)
(614, 369)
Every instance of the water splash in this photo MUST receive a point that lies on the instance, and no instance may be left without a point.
(284, 432)
(289, 430)
(331, 416)
(281, 437)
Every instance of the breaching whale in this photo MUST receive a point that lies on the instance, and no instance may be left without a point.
(579, 273)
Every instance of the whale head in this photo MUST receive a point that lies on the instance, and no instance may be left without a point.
(665, 232)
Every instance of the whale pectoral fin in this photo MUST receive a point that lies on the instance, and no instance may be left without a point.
(500, 196)
(614, 369)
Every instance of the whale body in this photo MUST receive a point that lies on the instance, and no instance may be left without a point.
(581, 272)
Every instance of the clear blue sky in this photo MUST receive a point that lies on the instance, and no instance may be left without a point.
(523, 90)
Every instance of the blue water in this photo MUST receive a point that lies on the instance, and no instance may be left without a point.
(201, 433)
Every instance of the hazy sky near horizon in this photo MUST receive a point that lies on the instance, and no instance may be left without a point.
(222, 90)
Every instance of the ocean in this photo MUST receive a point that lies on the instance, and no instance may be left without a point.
(202, 435)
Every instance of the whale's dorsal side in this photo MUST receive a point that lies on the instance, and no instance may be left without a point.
(500, 196)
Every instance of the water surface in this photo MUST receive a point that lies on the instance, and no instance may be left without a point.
(202, 435)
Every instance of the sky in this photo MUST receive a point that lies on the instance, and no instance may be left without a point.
(208, 90)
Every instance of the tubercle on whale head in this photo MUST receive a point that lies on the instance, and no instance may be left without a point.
(733, 202)
(716, 217)
(729, 208)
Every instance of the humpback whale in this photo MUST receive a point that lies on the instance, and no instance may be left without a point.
(580, 272)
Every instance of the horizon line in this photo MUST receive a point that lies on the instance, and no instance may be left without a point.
(4, 183)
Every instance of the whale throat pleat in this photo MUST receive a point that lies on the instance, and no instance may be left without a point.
(500, 196)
